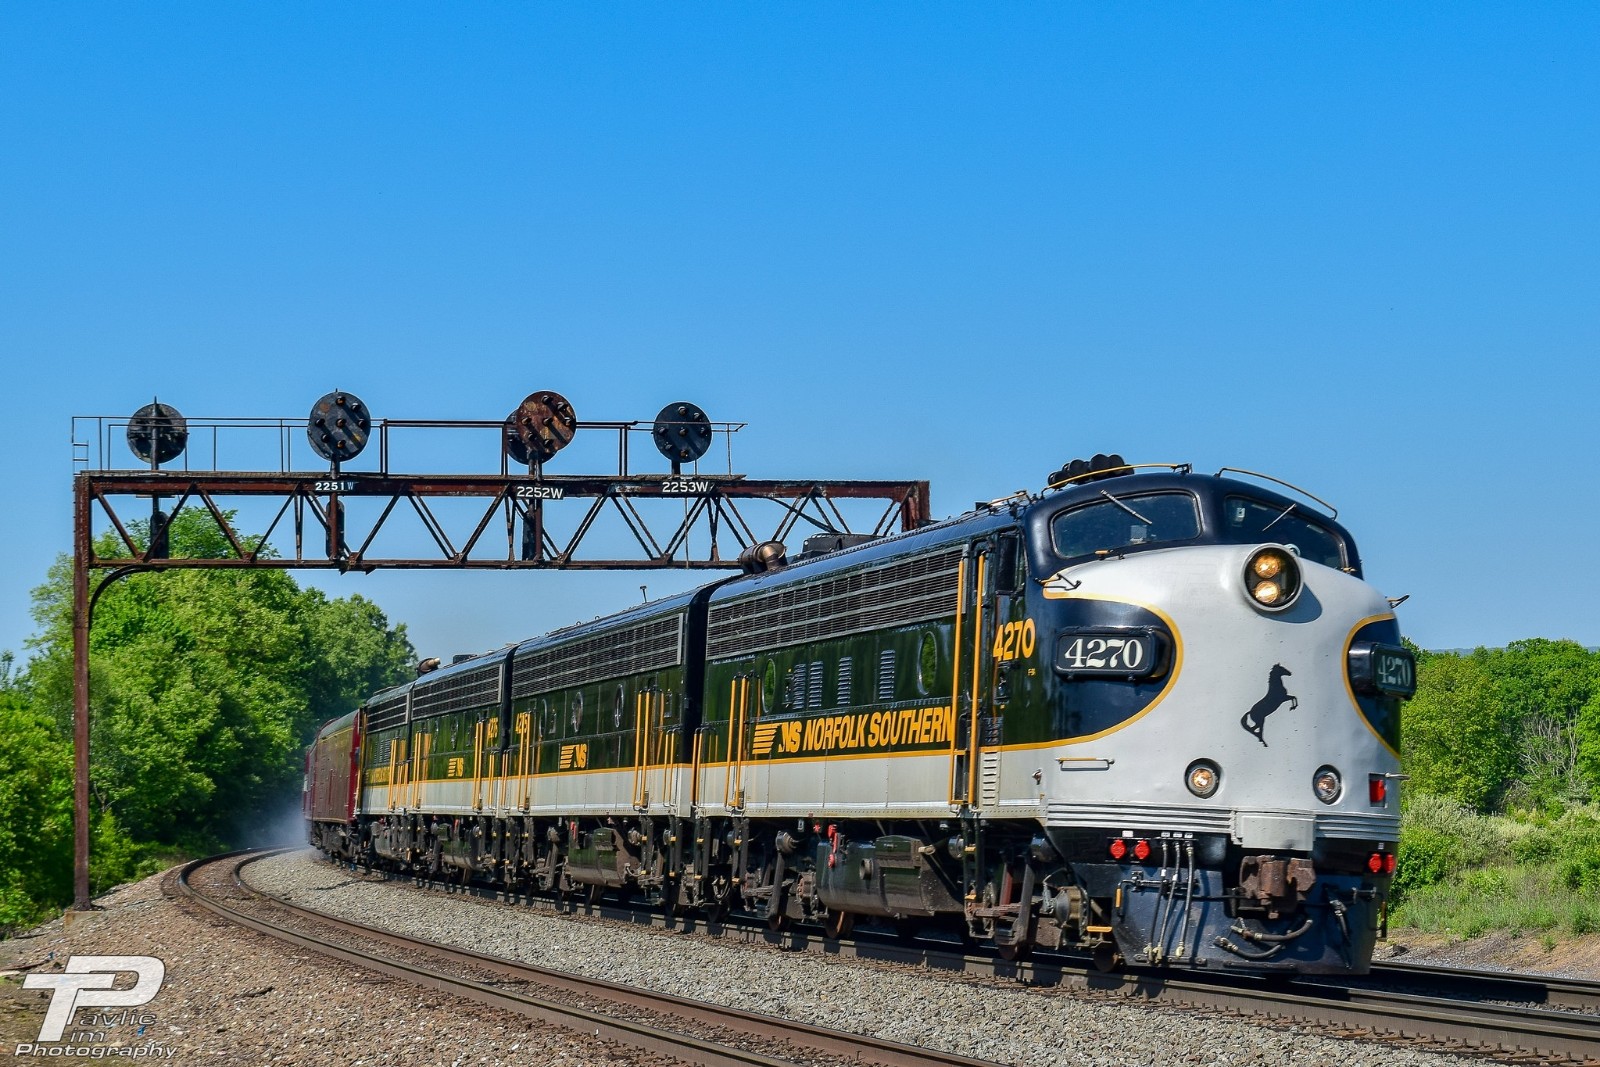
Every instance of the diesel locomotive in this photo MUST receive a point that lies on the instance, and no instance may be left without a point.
(1148, 714)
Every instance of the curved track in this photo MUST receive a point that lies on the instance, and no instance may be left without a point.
(647, 1021)
(1525, 1019)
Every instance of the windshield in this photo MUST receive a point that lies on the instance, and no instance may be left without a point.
(1251, 522)
(1121, 521)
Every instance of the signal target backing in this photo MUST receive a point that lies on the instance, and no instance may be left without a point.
(542, 425)
(339, 426)
(157, 433)
(682, 432)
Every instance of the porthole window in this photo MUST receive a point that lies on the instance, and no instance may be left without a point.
(577, 710)
(927, 662)
(769, 687)
(547, 716)
(616, 711)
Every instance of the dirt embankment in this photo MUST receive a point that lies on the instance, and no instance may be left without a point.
(1576, 958)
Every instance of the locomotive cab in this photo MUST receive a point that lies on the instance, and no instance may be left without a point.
(1224, 691)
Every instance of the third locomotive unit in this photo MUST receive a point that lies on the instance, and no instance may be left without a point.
(1148, 715)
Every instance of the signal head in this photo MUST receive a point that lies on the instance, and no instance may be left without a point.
(338, 426)
(543, 424)
(682, 432)
(157, 433)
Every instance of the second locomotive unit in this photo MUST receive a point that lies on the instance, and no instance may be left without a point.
(1149, 715)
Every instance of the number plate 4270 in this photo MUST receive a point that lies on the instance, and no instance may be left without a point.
(1108, 653)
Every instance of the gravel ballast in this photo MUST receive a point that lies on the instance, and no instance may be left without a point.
(231, 996)
(1003, 1023)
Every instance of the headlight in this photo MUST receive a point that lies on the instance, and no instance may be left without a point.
(1202, 778)
(1327, 784)
(1272, 577)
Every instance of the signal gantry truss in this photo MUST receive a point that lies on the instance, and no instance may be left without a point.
(346, 521)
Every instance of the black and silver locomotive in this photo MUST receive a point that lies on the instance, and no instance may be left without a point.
(1148, 714)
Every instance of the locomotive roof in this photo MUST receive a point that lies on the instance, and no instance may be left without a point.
(1023, 509)
(1020, 510)
(1144, 481)
(441, 673)
(990, 517)
(1210, 487)
(663, 605)
(651, 609)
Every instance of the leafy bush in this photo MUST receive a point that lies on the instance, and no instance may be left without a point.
(1458, 736)
(35, 813)
(206, 687)
(1465, 874)
(1438, 838)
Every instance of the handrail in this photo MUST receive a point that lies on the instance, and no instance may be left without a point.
(977, 679)
(955, 669)
(1333, 512)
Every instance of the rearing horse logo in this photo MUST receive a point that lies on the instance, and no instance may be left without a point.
(1255, 720)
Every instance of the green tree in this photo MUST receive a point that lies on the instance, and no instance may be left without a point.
(1588, 731)
(1544, 685)
(35, 810)
(1459, 738)
(206, 686)
(356, 655)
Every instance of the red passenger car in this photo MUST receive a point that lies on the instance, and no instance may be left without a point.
(332, 776)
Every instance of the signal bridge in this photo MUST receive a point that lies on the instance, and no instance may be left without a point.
(347, 517)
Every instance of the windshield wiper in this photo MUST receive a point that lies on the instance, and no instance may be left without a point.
(1129, 510)
(1274, 522)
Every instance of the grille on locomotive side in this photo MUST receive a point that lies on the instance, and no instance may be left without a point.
(650, 646)
(899, 594)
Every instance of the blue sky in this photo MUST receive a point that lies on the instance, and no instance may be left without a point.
(1356, 246)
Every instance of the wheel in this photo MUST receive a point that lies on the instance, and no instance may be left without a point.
(1106, 958)
(777, 921)
(838, 924)
(1011, 952)
(718, 897)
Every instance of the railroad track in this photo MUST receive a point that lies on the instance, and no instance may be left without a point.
(1514, 1018)
(644, 1020)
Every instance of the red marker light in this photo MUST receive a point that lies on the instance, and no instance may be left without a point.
(1388, 863)
(1141, 850)
(1119, 849)
(1375, 863)
(1377, 789)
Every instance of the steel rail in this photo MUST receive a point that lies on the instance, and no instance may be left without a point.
(1467, 1021)
(850, 1047)
(1550, 990)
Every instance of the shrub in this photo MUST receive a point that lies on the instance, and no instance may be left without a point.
(1440, 836)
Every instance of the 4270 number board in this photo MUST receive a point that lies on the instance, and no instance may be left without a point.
(1108, 653)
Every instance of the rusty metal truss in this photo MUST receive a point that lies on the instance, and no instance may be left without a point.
(345, 519)
(316, 523)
